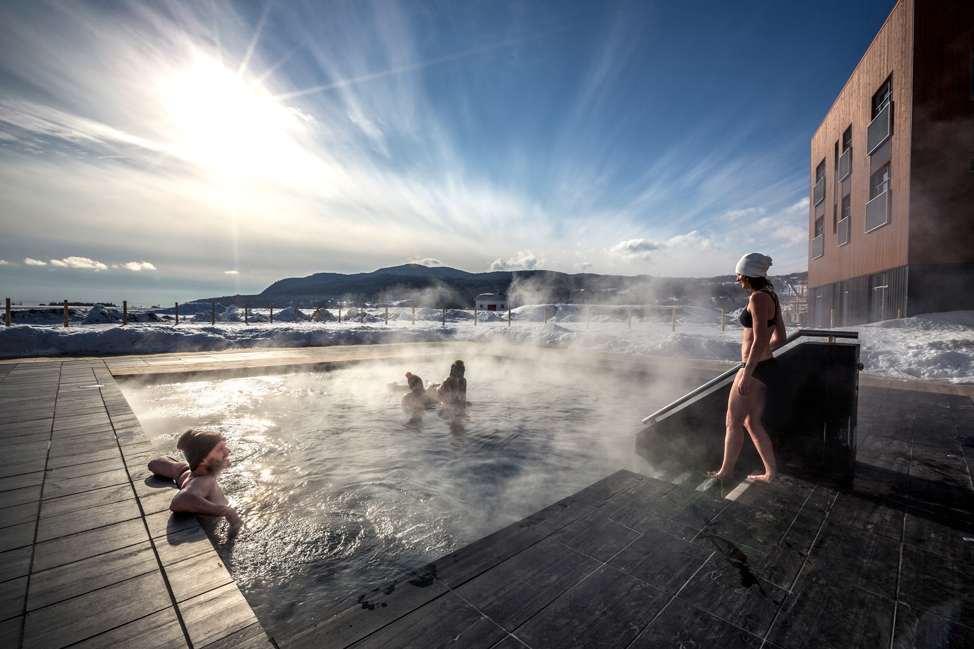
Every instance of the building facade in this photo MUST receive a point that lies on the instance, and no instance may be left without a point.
(891, 217)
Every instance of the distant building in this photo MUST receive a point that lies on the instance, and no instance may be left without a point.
(891, 222)
(490, 302)
(794, 302)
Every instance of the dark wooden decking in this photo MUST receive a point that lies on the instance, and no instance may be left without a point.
(91, 556)
(639, 562)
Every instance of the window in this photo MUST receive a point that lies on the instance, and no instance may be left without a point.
(878, 285)
(818, 191)
(819, 226)
(846, 206)
(847, 139)
(882, 97)
(879, 182)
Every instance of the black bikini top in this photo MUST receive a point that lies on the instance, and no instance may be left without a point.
(748, 322)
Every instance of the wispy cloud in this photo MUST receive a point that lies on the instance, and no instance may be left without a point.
(524, 260)
(34, 262)
(427, 261)
(135, 266)
(79, 263)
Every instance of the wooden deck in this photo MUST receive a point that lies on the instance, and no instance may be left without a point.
(640, 562)
(91, 556)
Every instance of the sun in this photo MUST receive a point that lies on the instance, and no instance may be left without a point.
(220, 121)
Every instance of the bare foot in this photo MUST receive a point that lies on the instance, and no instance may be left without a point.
(717, 475)
(766, 478)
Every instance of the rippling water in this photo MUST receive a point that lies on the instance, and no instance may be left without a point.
(340, 493)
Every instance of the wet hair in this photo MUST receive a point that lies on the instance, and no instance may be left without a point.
(756, 283)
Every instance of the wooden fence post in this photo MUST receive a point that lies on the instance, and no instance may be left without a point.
(414, 314)
(831, 318)
(546, 315)
(722, 320)
(899, 314)
(177, 312)
(65, 314)
(387, 314)
(295, 314)
(475, 316)
(673, 328)
(508, 315)
(125, 312)
(212, 313)
(246, 314)
(317, 315)
(272, 314)
(361, 314)
(7, 316)
(444, 316)
(339, 314)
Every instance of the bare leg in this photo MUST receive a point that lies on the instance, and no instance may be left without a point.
(760, 437)
(738, 407)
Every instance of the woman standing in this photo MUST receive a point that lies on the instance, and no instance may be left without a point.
(764, 329)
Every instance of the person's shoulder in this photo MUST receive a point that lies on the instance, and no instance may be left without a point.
(199, 482)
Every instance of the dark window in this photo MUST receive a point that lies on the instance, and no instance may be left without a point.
(820, 226)
(847, 139)
(882, 97)
(846, 206)
(820, 171)
(879, 182)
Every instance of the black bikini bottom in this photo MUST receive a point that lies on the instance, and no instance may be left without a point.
(768, 372)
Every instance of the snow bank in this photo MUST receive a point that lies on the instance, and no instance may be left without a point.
(934, 347)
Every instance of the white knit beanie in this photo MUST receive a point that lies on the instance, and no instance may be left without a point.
(754, 264)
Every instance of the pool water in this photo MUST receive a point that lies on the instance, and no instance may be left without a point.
(339, 492)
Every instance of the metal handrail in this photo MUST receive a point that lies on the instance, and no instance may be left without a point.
(716, 382)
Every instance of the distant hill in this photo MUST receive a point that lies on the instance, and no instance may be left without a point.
(440, 286)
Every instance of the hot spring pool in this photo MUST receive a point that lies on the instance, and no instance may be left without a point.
(339, 492)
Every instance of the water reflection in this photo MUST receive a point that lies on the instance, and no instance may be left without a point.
(339, 493)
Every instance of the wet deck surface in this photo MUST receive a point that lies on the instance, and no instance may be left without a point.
(641, 562)
(90, 554)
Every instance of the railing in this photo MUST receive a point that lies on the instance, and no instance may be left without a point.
(818, 192)
(845, 164)
(818, 246)
(843, 233)
(879, 129)
(714, 384)
(877, 211)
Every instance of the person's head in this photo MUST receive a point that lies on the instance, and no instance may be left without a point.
(415, 383)
(456, 370)
(204, 448)
(752, 271)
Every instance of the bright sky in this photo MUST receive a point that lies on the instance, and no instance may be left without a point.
(156, 151)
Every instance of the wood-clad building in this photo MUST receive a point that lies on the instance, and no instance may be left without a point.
(891, 217)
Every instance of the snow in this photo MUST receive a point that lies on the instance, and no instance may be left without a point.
(933, 347)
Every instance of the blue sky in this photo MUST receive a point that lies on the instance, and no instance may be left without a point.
(162, 151)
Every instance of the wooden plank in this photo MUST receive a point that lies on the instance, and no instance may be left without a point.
(682, 625)
(72, 620)
(70, 580)
(518, 588)
(76, 547)
(87, 500)
(661, 560)
(216, 614)
(197, 575)
(52, 527)
(445, 617)
(607, 609)
(160, 630)
(361, 616)
(58, 485)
